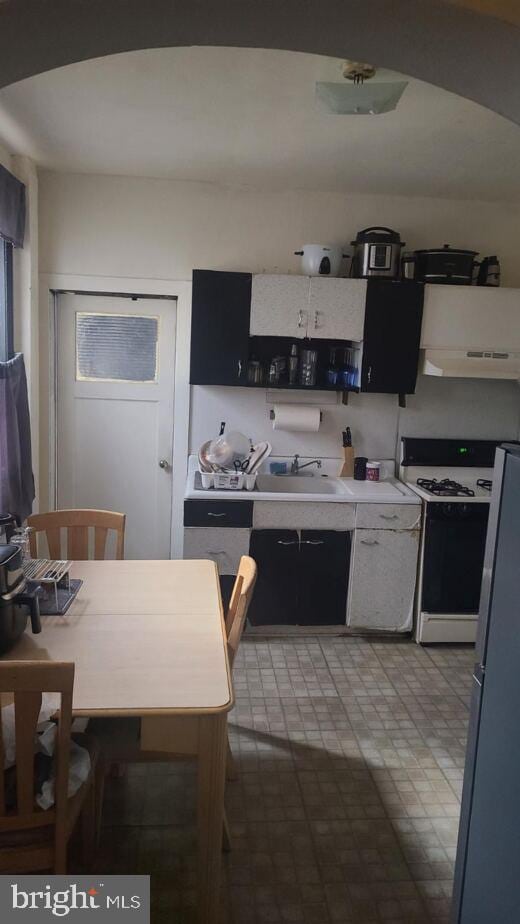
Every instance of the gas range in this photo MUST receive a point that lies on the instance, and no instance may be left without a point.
(454, 479)
(454, 471)
(450, 487)
(447, 484)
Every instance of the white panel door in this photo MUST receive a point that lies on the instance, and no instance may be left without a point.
(336, 308)
(279, 306)
(115, 381)
(382, 579)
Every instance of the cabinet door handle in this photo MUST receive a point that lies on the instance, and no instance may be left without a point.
(316, 319)
(239, 368)
(369, 374)
(369, 541)
(300, 318)
(217, 514)
(313, 542)
(283, 542)
(389, 516)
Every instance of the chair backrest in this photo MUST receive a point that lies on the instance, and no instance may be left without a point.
(239, 604)
(27, 680)
(77, 523)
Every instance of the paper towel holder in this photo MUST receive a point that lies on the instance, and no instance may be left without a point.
(272, 415)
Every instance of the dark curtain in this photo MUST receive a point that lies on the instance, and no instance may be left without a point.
(12, 208)
(16, 475)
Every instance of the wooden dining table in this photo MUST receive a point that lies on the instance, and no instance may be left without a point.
(148, 639)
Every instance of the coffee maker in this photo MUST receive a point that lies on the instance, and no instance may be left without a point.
(17, 600)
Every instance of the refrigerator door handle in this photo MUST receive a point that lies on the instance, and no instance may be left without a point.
(479, 671)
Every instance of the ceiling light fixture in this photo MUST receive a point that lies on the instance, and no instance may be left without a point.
(356, 98)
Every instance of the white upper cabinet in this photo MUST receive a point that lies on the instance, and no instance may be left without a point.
(471, 318)
(308, 306)
(279, 306)
(336, 308)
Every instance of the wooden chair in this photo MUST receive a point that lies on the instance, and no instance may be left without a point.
(77, 524)
(32, 838)
(236, 616)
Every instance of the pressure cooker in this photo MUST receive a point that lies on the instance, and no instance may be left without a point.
(377, 252)
(17, 602)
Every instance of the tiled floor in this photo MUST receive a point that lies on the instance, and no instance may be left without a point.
(350, 755)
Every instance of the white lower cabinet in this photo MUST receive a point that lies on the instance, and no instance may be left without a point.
(382, 579)
(223, 546)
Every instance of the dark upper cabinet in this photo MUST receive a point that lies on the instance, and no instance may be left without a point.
(221, 305)
(392, 335)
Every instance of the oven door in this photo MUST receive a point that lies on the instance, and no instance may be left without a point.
(454, 543)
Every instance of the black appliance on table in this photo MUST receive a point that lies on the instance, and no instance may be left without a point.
(487, 883)
(16, 602)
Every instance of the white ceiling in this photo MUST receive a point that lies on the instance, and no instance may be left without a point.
(249, 117)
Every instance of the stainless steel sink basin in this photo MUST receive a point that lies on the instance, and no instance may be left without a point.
(298, 484)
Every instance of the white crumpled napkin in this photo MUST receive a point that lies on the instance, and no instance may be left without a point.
(44, 743)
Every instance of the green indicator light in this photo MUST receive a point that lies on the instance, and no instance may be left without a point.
(463, 449)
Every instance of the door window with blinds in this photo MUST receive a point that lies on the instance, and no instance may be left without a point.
(116, 347)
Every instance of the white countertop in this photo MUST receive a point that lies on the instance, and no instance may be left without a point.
(388, 491)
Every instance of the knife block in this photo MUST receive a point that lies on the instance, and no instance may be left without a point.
(347, 469)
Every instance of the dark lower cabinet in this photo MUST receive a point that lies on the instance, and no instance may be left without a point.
(302, 579)
(323, 582)
(275, 600)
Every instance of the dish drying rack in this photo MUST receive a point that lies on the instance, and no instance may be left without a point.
(227, 481)
(244, 474)
(45, 571)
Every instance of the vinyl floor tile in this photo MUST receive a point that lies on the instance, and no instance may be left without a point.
(350, 754)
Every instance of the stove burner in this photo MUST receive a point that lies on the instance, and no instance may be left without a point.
(445, 488)
(485, 483)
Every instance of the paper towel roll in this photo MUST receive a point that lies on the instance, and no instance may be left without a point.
(302, 417)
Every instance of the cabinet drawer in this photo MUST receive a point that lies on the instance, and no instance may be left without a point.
(218, 513)
(388, 516)
(223, 546)
(301, 515)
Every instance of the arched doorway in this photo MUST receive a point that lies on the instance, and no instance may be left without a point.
(467, 51)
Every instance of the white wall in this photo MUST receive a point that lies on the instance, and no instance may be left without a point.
(159, 229)
(5, 158)
(119, 226)
(444, 408)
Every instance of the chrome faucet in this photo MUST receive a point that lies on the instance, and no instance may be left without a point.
(296, 467)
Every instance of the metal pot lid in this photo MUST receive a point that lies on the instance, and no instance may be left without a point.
(378, 235)
(10, 555)
(446, 249)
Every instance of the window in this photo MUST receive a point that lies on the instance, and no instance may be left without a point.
(116, 347)
(6, 300)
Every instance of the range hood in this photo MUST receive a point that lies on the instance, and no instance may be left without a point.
(471, 364)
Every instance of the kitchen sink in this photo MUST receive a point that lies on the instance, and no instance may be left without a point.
(299, 484)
